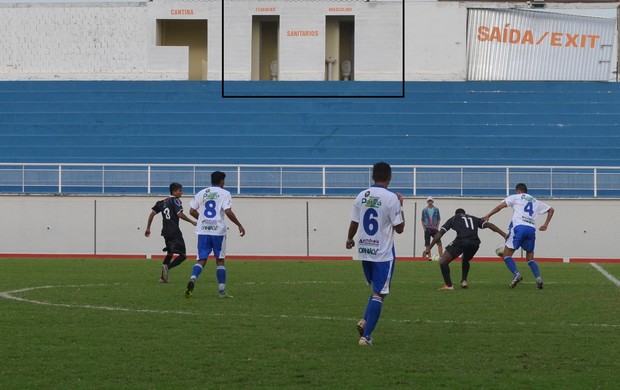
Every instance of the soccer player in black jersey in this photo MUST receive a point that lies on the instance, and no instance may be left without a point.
(466, 243)
(171, 210)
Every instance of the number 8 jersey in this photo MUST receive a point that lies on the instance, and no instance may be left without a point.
(377, 211)
(211, 204)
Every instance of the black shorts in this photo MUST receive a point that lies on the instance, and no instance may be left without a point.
(175, 245)
(466, 248)
(428, 236)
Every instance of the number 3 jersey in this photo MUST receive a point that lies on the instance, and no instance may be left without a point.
(377, 211)
(211, 204)
(526, 209)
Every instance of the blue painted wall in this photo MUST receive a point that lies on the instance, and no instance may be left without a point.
(447, 123)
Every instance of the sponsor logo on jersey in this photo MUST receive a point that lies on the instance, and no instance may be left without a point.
(208, 228)
(528, 198)
(372, 201)
(528, 220)
(211, 196)
(208, 225)
(368, 242)
(368, 251)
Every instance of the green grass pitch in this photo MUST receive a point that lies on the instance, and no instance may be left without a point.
(109, 324)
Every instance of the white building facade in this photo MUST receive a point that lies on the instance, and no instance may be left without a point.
(300, 40)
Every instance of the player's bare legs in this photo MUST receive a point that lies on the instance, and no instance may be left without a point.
(444, 265)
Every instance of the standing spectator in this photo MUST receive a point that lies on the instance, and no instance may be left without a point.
(379, 212)
(209, 207)
(431, 220)
(171, 210)
(466, 243)
(522, 230)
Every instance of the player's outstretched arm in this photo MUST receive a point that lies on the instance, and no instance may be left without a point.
(147, 232)
(436, 238)
(401, 226)
(231, 215)
(497, 230)
(545, 225)
(494, 211)
(186, 218)
(350, 234)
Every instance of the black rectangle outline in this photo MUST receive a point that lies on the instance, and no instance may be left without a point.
(402, 95)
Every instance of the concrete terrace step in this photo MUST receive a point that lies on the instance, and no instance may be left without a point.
(268, 107)
(353, 119)
(283, 154)
(419, 131)
(467, 123)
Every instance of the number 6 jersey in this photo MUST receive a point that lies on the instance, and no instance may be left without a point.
(377, 211)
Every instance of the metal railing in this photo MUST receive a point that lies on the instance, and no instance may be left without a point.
(303, 180)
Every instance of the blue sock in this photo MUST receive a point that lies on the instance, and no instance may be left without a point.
(366, 311)
(373, 312)
(220, 273)
(196, 270)
(534, 268)
(510, 263)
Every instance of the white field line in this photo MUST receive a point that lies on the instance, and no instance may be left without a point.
(10, 295)
(606, 274)
(417, 321)
(438, 282)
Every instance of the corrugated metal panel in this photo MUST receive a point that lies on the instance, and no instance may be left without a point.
(515, 44)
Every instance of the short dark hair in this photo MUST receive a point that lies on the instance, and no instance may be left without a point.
(174, 187)
(521, 187)
(459, 211)
(381, 171)
(217, 177)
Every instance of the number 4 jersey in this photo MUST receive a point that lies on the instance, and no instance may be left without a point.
(526, 209)
(377, 211)
(211, 204)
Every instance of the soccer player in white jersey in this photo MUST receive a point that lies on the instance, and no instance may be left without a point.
(522, 230)
(379, 212)
(209, 207)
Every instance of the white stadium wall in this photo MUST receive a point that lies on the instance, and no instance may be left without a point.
(73, 41)
(122, 41)
(279, 226)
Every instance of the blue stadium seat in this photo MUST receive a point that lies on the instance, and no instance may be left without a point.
(447, 123)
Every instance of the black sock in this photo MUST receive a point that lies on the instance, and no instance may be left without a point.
(178, 261)
(167, 260)
(465, 268)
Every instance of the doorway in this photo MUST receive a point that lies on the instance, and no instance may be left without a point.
(191, 33)
(339, 47)
(265, 32)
